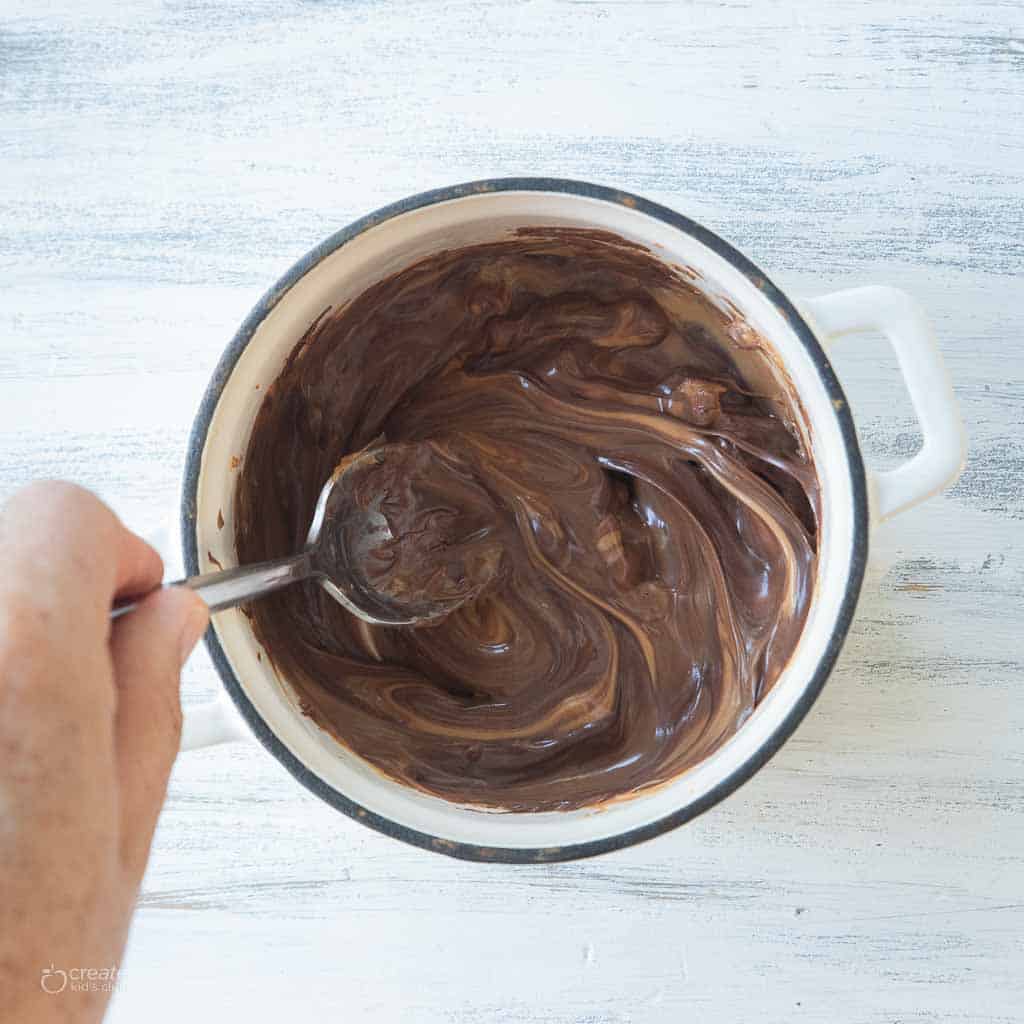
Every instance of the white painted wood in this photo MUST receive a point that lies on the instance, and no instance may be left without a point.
(160, 165)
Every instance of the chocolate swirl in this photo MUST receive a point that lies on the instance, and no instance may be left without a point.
(648, 518)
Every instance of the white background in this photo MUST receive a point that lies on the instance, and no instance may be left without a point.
(162, 164)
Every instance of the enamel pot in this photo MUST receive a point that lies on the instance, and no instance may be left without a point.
(799, 332)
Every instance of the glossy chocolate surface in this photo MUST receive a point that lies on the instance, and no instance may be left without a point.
(603, 458)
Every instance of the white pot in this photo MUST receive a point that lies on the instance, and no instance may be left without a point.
(852, 498)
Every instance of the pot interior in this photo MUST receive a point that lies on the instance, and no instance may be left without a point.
(389, 245)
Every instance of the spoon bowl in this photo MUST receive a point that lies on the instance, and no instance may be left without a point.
(345, 529)
(344, 532)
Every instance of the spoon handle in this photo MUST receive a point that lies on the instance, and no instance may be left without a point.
(230, 587)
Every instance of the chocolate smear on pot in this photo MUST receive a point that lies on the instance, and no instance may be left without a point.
(625, 491)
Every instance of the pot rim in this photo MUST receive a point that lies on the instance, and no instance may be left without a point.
(761, 755)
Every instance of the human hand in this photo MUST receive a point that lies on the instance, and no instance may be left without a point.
(89, 728)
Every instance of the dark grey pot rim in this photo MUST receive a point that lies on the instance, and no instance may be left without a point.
(858, 554)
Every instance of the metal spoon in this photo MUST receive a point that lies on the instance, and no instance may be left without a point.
(340, 536)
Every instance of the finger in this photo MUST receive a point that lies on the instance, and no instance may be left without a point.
(54, 663)
(149, 647)
(60, 548)
(64, 550)
(138, 569)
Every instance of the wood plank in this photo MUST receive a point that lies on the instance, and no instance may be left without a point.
(163, 164)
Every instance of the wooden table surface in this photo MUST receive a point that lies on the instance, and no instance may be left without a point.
(161, 164)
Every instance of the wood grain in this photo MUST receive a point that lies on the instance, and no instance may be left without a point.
(161, 164)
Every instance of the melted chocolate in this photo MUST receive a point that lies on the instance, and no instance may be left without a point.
(413, 525)
(637, 525)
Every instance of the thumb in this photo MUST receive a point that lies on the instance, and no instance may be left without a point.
(149, 647)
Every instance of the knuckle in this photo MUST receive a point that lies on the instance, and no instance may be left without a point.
(145, 560)
(61, 502)
(52, 521)
(51, 494)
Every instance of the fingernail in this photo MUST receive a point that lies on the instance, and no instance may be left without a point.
(195, 626)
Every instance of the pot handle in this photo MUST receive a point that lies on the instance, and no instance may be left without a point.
(896, 315)
(215, 721)
(206, 725)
